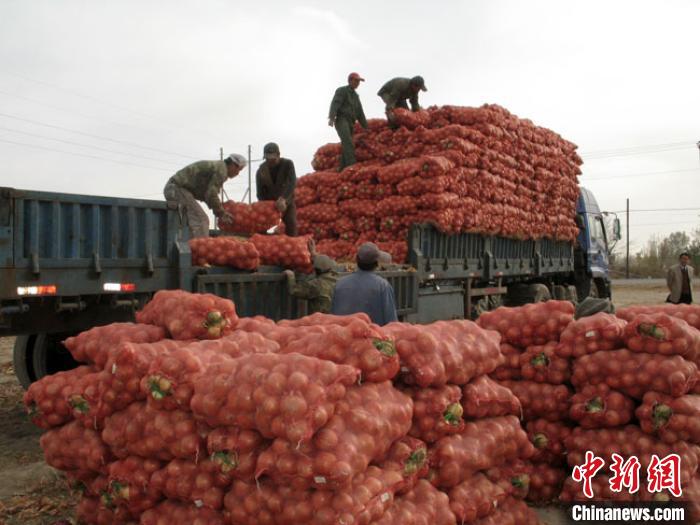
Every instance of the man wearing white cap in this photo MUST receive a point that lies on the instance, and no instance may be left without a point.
(365, 291)
(203, 181)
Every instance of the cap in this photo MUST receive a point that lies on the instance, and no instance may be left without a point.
(369, 253)
(238, 160)
(418, 81)
(271, 149)
(323, 263)
(357, 76)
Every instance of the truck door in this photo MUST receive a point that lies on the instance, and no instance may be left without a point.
(598, 249)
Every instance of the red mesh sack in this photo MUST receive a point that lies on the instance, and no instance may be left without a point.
(189, 316)
(364, 500)
(542, 365)
(93, 346)
(235, 451)
(511, 512)
(172, 513)
(512, 477)
(318, 213)
(91, 511)
(690, 313)
(169, 383)
(437, 353)
(337, 249)
(670, 419)
(397, 249)
(629, 441)
(257, 217)
(545, 483)
(483, 397)
(532, 324)
(280, 395)
(437, 412)
(129, 484)
(548, 438)
(304, 195)
(411, 119)
(409, 457)
(591, 334)
(281, 250)
(456, 458)
(158, 434)
(367, 421)
(84, 398)
(46, 399)
(541, 400)
(74, 447)
(475, 498)
(511, 367)
(664, 335)
(358, 344)
(322, 319)
(224, 251)
(424, 505)
(573, 491)
(634, 373)
(598, 406)
(202, 483)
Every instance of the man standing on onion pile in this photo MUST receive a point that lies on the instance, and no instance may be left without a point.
(318, 291)
(346, 109)
(395, 93)
(203, 181)
(275, 181)
(364, 290)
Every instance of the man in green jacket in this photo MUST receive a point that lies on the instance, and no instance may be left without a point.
(202, 181)
(318, 290)
(346, 109)
(275, 180)
(395, 93)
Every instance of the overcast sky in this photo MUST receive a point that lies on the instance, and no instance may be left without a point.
(153, 85)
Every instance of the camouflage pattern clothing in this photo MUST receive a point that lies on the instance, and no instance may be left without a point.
(280, 181)
(345, 110)
(395, 93)
(317, 290)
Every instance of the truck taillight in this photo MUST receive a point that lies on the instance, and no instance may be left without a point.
(43, 289)
(119, 287)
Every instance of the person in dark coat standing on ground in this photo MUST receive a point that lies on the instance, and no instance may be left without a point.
(398, 90)
(275, 181)
(346, 109)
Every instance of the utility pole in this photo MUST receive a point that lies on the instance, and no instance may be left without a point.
(627, 225)
(221, 157)
(250, 171)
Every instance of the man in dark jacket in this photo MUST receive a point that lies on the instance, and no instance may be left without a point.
(345, 110)
(395, 93)
(275, 181)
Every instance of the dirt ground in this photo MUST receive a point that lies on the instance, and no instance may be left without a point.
(31, 493)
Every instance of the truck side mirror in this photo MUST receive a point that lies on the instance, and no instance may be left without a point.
(579, 221)
(617, 230)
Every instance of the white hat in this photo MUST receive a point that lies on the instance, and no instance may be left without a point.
(237, 159)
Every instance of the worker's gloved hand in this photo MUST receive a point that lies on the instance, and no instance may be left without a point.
(281, 205)
(312, 247)
(226, 217)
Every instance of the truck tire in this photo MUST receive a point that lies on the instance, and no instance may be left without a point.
(50, 356)
(521, 294)
(592, 288)
(22, 359)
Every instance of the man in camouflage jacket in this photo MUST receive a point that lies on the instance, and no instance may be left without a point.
(397, 90)
(345, 110)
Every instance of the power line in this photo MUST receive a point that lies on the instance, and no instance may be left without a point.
(34, 147)
(659, 209)
(123, 142)
(636, 150)
(647, 174)
(44, 137)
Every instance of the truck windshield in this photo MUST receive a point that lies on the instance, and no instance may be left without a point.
(598, 231)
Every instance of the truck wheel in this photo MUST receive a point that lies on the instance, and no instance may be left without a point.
(521, 294)
(22, 360)
(591, 288)
(50, 356)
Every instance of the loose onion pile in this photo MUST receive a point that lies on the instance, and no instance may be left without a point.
(329, 419)
(462, 169)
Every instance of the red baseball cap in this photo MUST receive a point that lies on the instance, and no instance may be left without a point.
(355, 75)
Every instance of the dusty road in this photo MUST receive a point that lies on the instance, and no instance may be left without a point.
(31, 493)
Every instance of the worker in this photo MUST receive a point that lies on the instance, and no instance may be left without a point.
(275, 181)
(203, 181)
(395, 93)
(364, 290)
(346, 109)
(318, 291)
(593, 305)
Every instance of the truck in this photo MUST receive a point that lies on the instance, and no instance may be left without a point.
(71, 262)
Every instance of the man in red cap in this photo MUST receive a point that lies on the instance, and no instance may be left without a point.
(346, 109)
